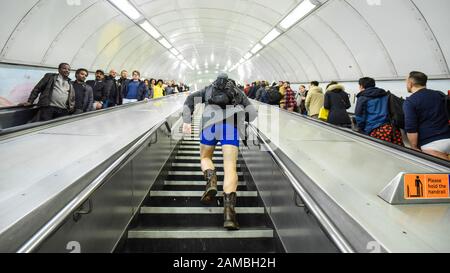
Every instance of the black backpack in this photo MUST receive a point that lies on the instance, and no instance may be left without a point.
(229, 96)
(396, 114)
(274, 97)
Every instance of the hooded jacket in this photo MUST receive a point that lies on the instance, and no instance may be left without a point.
(372, 109)
(44, 89)
(213, 114)
(314, 101)
(142, 90)
(337, 101)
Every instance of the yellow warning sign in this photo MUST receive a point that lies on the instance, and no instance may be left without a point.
(427, 186)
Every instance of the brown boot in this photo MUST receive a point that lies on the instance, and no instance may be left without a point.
(229, 202)
(211, 187)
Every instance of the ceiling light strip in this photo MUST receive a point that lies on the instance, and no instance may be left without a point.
(298, 13)
(133, 13)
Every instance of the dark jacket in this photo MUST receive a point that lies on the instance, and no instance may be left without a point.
(142, 90)
(84, 98)
(113, 89)
(99, 88)
(213, 114)
(259, 94)
(45, 89)
(253, 91)
(337, 101)
(372, 109)
(426, 114)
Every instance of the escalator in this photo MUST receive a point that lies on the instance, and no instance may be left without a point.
(296, 192)
(172, 219)
(16, 116)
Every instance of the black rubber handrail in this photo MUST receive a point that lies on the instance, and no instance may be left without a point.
(408, 151)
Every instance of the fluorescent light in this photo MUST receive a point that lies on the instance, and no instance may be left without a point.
(257, 48)
(175, 52)
(241, 61)
(165, 43)
(298, 13)
(180, 57)
(127, 8)
(248, 56)
(271, 36)
(150, 29)
(206, 71)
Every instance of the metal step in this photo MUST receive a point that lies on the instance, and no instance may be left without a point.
(195, 183)
(187, 173)
(195, 143)
(196, 233)
(197, 194)
(197, 152)
(198, 210)
(197, 165)
(196, 147)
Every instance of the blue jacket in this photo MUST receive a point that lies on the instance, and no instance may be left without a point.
(426, 114)
(372, 109)
(143, 91)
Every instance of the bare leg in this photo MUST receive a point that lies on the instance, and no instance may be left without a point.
(230, 156)
(206, 154)
(437, 154)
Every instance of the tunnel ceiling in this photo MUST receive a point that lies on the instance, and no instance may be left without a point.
(340, 40)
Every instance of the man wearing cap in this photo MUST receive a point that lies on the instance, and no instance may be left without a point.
(226, 110)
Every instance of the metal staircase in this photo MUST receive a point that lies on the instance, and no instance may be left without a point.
(173, 219)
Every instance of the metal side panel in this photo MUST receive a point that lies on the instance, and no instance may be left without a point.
(99, 231)
(115, 203)
(148, 165)
(299, 231)
(47, 168)
(15, 117)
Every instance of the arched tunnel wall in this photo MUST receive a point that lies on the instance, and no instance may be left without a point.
(342, 40)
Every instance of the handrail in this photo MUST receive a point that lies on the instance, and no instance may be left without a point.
(38, 126)
(354, 134)
(336, 236)
(16, 107)
(48, 229)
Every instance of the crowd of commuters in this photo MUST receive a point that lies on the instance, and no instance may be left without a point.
(423, 117)
(59, 96)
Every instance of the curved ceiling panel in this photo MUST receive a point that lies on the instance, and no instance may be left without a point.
(341, 40)
(406, 35)
(379, 62)
(86, 34)
(43, 24)
(11, 14)
(117, 43)
(437, 17)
